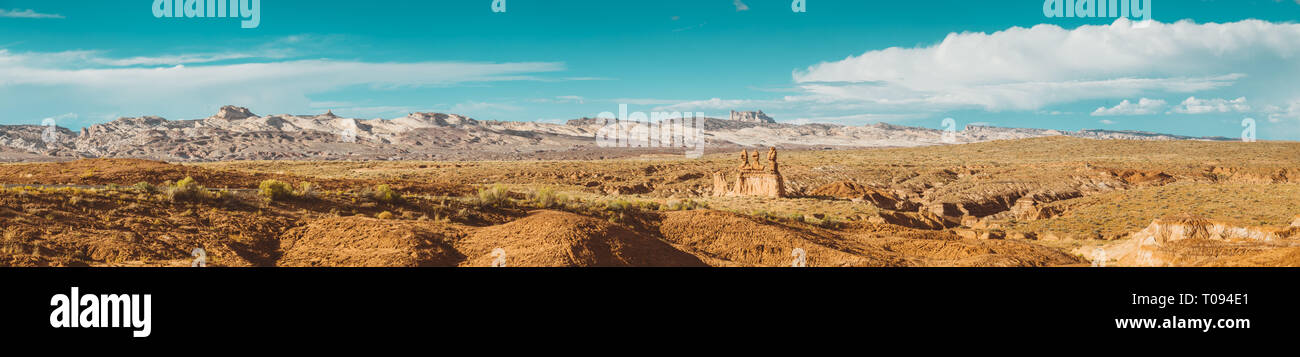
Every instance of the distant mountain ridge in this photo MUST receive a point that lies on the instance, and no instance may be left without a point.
(236, 133)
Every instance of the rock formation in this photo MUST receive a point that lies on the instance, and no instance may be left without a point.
(231, 112)
(236, 133)
(753, 178)
(751, 117)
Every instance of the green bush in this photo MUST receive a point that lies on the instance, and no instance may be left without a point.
(386, 194)
(682, 205)
(830, 223)
(145, 187)
(275, 190)
(306, 190)
(545, 198)
(496, 196)
(620, 210)
(620, 205)
(647, 206)
(186, 189)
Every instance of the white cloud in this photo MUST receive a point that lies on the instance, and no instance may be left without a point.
(740, 5)
(1106, 121)
(114, 84)
(853, 119)
(172, 60)
(1288, 112)
(716, 104)
(645, 101)
(1031, 68)
(1144, 106)
(561, 99)
(1194, 105)
(27, 14)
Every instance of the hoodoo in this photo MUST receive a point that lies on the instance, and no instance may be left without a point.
(752, 179)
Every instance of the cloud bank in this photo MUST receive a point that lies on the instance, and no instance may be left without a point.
(27, 14)
(1031, 68)
(190, 83)
(1143, 106)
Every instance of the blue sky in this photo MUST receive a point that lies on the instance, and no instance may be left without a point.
(1199, 70)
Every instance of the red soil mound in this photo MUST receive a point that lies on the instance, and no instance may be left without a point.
(369, 242)
(731, 239)
(73, 227)
(850, 190)
(1281, 257)
(551, 238)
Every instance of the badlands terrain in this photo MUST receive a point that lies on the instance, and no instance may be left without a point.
(147, 192)
(236, 133)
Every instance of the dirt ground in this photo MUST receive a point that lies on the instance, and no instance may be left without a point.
(1024, 203)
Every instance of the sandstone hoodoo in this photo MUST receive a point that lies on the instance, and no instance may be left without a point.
(752, 179)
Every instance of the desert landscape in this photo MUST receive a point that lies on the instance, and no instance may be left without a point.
(148, 192)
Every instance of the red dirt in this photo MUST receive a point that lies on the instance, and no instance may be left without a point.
(126, 172)
(552, 238)
(369, 242)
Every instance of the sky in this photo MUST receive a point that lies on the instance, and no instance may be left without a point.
(1199, 67)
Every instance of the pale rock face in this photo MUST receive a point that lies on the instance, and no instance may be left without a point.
(1163, 231)
(1026, 209)
(236, 133)
(764, 184)
(753, 178)
(231, 112)
(751, 117)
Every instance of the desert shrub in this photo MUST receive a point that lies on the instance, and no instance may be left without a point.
(681, 205)
(829, 223)
(620, 205)
(647, 205)
(621, 210)
(796, 217)
(186, 189)
(384, 215)
(763, 214)
(386, 194)
(545, 198)
(275, 190)
(306, 190)
(496, 196)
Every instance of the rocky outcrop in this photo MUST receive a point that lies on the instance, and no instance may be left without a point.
(236, 133)
(1172, 229)
(231, 112)
(751, 117)
(849, 190)
(752, 179)
(1192, 241)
